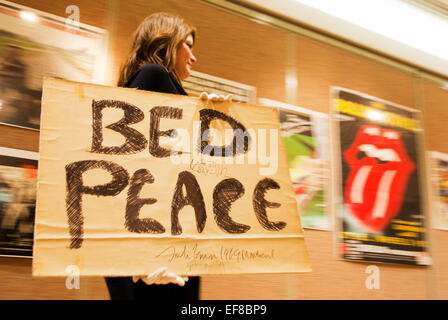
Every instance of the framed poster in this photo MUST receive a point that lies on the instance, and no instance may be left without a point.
(380, 204)
(34, 44)
(306, 140)
(439, 183)
(18, 181)
(199, 82)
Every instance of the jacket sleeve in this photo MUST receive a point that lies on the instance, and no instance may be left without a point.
(152, 77)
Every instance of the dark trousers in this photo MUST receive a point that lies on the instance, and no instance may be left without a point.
(123, 288)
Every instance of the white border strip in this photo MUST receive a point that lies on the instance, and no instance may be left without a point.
(274, 104)
(17, 153)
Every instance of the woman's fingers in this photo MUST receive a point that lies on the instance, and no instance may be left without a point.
(215, 97)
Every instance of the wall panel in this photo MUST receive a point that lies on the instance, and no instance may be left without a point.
(435, 101)
(321, 66)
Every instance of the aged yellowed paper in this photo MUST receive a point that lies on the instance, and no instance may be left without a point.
(130, 181)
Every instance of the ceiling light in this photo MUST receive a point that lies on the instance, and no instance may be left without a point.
(375, 115)
(28, 16)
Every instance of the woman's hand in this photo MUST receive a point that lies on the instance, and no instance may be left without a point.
(215, 97)
(162, 276)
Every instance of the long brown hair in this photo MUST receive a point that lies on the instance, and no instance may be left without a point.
(156, 41)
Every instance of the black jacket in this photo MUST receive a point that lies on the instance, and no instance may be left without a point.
(152, 77)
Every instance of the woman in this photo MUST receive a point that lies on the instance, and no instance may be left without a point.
(160, 58)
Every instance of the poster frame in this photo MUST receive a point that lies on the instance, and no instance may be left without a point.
(22, 154)
(328, 184)
(66, 25)
(336, 163)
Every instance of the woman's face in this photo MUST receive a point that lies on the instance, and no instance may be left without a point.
(185, 58)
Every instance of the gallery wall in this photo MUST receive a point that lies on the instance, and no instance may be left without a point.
(265, 56)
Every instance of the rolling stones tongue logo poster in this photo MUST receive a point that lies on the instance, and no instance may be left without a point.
(377, 180)
(380, 215)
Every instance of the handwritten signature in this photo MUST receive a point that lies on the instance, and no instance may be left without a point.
(191, 253)
(209, 169)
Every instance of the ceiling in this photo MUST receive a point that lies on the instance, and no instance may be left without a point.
(423, 43)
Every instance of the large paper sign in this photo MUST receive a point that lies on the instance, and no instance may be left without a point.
(381, 212)
(130, 181)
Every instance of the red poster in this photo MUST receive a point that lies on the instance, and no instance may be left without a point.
(380, 210)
